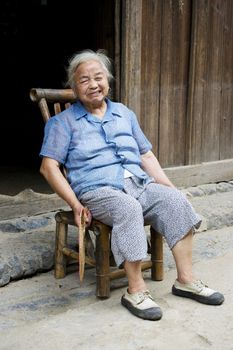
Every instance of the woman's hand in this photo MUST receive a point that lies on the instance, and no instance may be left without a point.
(78, 212)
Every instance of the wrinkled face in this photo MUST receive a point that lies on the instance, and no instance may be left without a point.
(91, 83)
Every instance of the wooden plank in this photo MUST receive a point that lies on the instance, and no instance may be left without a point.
(131, 54)
(210, 128)
(174, 78)
(212, 96)
(226, 129)
(199, 174)
(117, 55)
(150, 70)
(197, 82)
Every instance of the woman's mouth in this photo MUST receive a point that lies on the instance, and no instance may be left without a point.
(95, 93)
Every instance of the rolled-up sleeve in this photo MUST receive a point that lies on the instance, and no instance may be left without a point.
(56, 140)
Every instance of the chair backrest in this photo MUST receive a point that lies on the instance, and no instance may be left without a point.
(52, 101)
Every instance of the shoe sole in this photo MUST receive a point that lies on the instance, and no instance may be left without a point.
(214, 299)
(152, 314)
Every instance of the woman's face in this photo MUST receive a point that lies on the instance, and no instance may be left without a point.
(91, 83)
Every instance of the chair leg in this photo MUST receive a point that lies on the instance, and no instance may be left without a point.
(102, 262)
(156, 255)
(60, 243)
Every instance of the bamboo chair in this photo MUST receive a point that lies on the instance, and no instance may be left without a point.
(51, 102)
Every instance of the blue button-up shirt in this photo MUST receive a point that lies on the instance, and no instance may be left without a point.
(95, 152)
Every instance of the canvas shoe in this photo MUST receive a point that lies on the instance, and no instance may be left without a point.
(197, 291)
(142, 305)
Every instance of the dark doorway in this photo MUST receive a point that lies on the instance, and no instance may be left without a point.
(37, 37)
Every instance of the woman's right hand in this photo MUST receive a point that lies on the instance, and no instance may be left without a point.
(78, 212)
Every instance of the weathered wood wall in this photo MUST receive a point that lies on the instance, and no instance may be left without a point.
(210, 111)
(177, 75)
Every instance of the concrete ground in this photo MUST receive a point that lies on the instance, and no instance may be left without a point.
(38, 312)
(42, 313)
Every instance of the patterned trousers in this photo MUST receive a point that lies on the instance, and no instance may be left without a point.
(166, 209)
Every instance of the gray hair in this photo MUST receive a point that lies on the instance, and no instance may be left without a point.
(85, 56)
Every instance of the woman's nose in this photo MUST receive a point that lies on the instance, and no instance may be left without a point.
(93, 84)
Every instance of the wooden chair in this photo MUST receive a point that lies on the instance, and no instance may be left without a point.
(59, 100)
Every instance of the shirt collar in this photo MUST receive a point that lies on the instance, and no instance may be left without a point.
(112, 110)
(80, 110)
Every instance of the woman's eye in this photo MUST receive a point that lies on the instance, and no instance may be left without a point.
(83, 81)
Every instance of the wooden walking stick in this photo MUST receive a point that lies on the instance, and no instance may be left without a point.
(82, 231)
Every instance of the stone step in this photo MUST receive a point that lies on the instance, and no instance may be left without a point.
(216, 210)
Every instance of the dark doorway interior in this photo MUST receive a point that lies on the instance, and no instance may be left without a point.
(37, 37)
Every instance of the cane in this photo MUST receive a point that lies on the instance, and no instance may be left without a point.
(81, 243)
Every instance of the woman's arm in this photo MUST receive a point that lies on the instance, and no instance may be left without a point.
(152, 167)
(50, 169)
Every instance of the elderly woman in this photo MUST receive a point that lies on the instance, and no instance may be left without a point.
(112, 171)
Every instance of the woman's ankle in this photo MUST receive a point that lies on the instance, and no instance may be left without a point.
(140, 287)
